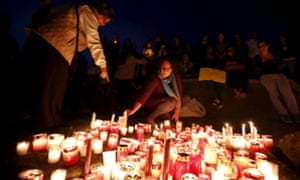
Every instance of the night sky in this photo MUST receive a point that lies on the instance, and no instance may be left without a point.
(188, 19)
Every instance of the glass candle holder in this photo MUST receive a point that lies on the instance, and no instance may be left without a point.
(31, 174)
(252, 174)
(182, 165)
(22, 147)
(58, 174)
(54, 155)
(55, 140)
(122, 152)
(140, 132)
(40, 142)
(70, 152)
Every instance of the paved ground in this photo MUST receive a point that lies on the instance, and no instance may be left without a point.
(256, 107)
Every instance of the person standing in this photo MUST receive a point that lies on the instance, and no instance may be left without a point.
(52, 43)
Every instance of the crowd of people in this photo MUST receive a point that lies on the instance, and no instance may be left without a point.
(45, 72)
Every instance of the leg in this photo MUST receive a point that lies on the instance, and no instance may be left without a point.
(268, 82)
(285, 90)
(166, 105)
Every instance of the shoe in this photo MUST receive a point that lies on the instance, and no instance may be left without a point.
(296, 118)
(217, 103)
(286, 118)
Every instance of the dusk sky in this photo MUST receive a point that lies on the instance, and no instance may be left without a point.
(188, 19)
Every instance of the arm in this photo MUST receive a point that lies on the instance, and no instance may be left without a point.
(89, 24)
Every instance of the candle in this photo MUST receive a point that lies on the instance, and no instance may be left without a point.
(70, 151)
(167, 124)
(243, 129)
(40, 142)
(113, 140)
(22, 147)
(59, 174)
(54, 155)
(109, 158)
(97, 146)
(35, 174)
(130, 129)
(55, 140)
(178, 126)
(156, 169)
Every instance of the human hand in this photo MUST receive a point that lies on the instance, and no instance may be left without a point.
(104, 75)
(175, 116)
(129, 112)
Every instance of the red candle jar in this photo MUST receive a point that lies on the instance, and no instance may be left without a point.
(70, 152)
(114, 128)
(40, 142)
(182, 165)
(140, 132)
(256, 146)
(95, 133)
(122, 152)
(113, 141)
(241, 159)
(267, 141)
(195, 162)
(104, 130)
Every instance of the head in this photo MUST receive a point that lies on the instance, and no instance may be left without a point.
(165, 68)
(263, 46)
(105, 13)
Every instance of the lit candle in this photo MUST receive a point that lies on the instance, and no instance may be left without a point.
(58, 174)
(40, 142)
(97, 146)
(53, 155)
(130, 129)
(167, 124)
(55, 140)
(243, 129)
(22, 147)
(70, 151)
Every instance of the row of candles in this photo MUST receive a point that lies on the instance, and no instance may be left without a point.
(163, 153)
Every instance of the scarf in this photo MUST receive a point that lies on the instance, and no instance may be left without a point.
(168, 89)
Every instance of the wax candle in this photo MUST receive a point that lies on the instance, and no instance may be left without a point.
(182, 165)
(130, 129)
(156, 169)
(140, 132)
(55, 140)
(22, 147)
(97, 146)
(70, 151)
(113, 140)
(109, 158)
(167, 124)
(58, 174)
(122, 152)
(35, 174)
(54, 155)
(40, 142)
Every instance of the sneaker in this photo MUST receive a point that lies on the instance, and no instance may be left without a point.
(286, 118)
(296, 118)
(217, 103)
(220, 105)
